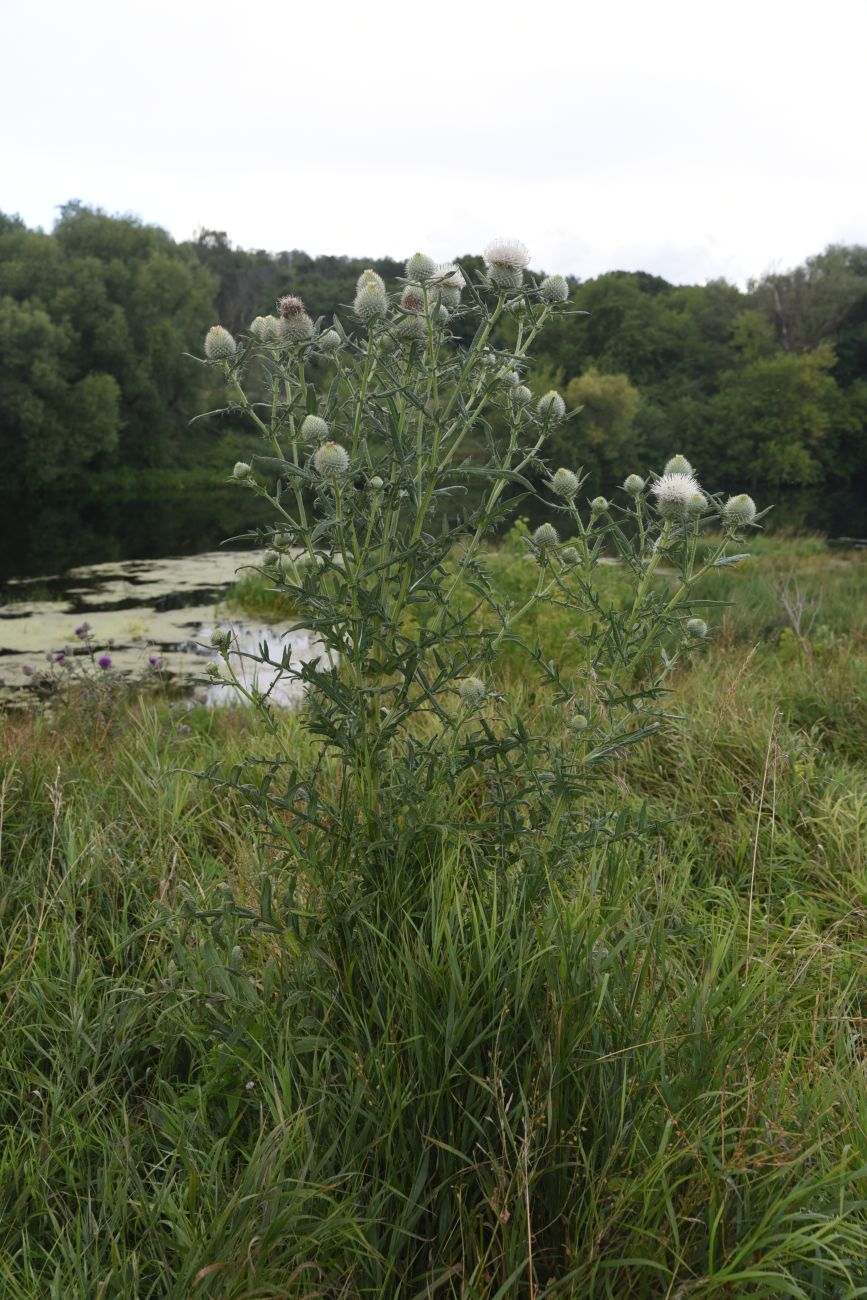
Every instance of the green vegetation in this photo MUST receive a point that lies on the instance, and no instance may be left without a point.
(766, 385)
(650, 1086)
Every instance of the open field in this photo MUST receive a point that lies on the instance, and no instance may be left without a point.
(648, 1083)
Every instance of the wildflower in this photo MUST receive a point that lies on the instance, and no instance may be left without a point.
(674, 492)
(313, 426)
(696, 627)
(472, 691)
(371, 300)
(679, 465)
(565, 483)
(505, 260)
(412, 298)
(739, 511)
(60, 656)
(104, 661)
(330, 342)
(450, 284)
(369, 277)
(155, 661)
(331, 461)
(598, 506)
(545, 537)
(554, 289)
(221, 638)
(552, 405)
(219, 344)
(241, 469)
(420, 267)
(82, 629)
(294, 325)
(697, 503)
(264, 328)
(634, 484)
(522, 395)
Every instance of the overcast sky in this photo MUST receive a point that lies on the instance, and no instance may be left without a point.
(690, 139)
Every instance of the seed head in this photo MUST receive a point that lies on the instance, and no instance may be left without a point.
(634, 484)
(545, 537)
(331, 461)
(241, 470)
(674, 493)
(739, 511)
(450, 283)
(505, 260)
(598, 506)
(219, 344)
(371, 300)
(314, 428)
(696, 627)
(565, 483)
(421, 268)
(290, 307)
(472, 691)
(554, 289)
(264, 328)
(330, 342)
(551, 405)
(679, 465)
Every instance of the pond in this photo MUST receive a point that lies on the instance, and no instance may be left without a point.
(149, 617)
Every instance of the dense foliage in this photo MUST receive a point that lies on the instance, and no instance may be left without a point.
(767, 385)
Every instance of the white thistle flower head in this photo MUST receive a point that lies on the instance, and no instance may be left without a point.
(739, 511)
(552, 406)
(369, 277)
(679, 465)
(554, 288)
(264, 328)
(634, 484)
(241, 470)
(696, 627)
(522, 394)
(412, 298)
(450, 283)
(472, 691)
(371, 301)
(219, 344)
(545, 537)
(598, 506)
(295, 328)
(505, 260)
(565, 483)
(314, 428)
(674, 493)
(421, 268)
(331, 461)
(330, 342)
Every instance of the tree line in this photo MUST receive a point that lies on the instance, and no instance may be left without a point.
(765, 386)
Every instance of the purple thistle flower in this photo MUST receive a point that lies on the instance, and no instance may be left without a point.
(82, 629)
(60, 656)
(155, 661)
(104, 661)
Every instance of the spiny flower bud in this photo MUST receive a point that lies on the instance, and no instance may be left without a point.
(371, 301)
(287, 567)
(696, 627)
(598, 506)
(679, 465)
(522, 394)
(376, 483)
(331, 461)
(564, 483)
(505, 260)
(739, 511)
(270, 558)
(330, 342)
(297, 328)
(545, 537)
(450, 284)
(420, 267)
(697, 503)
(578, 722)
(411, 328)
(472, 691)
(569, 557)
(511, 379)
(219, 344)
(412, 298)
(552, 405)
(221, 638)
(554, 289)
(241, 470)
(440, 313)
(634, 484)
(674, 492)
(264, 328)
(313, 426)
(369, 277)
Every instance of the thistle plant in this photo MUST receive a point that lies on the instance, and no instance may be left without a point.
(392, 455)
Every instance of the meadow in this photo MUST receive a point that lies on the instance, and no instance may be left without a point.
(650, 1083)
